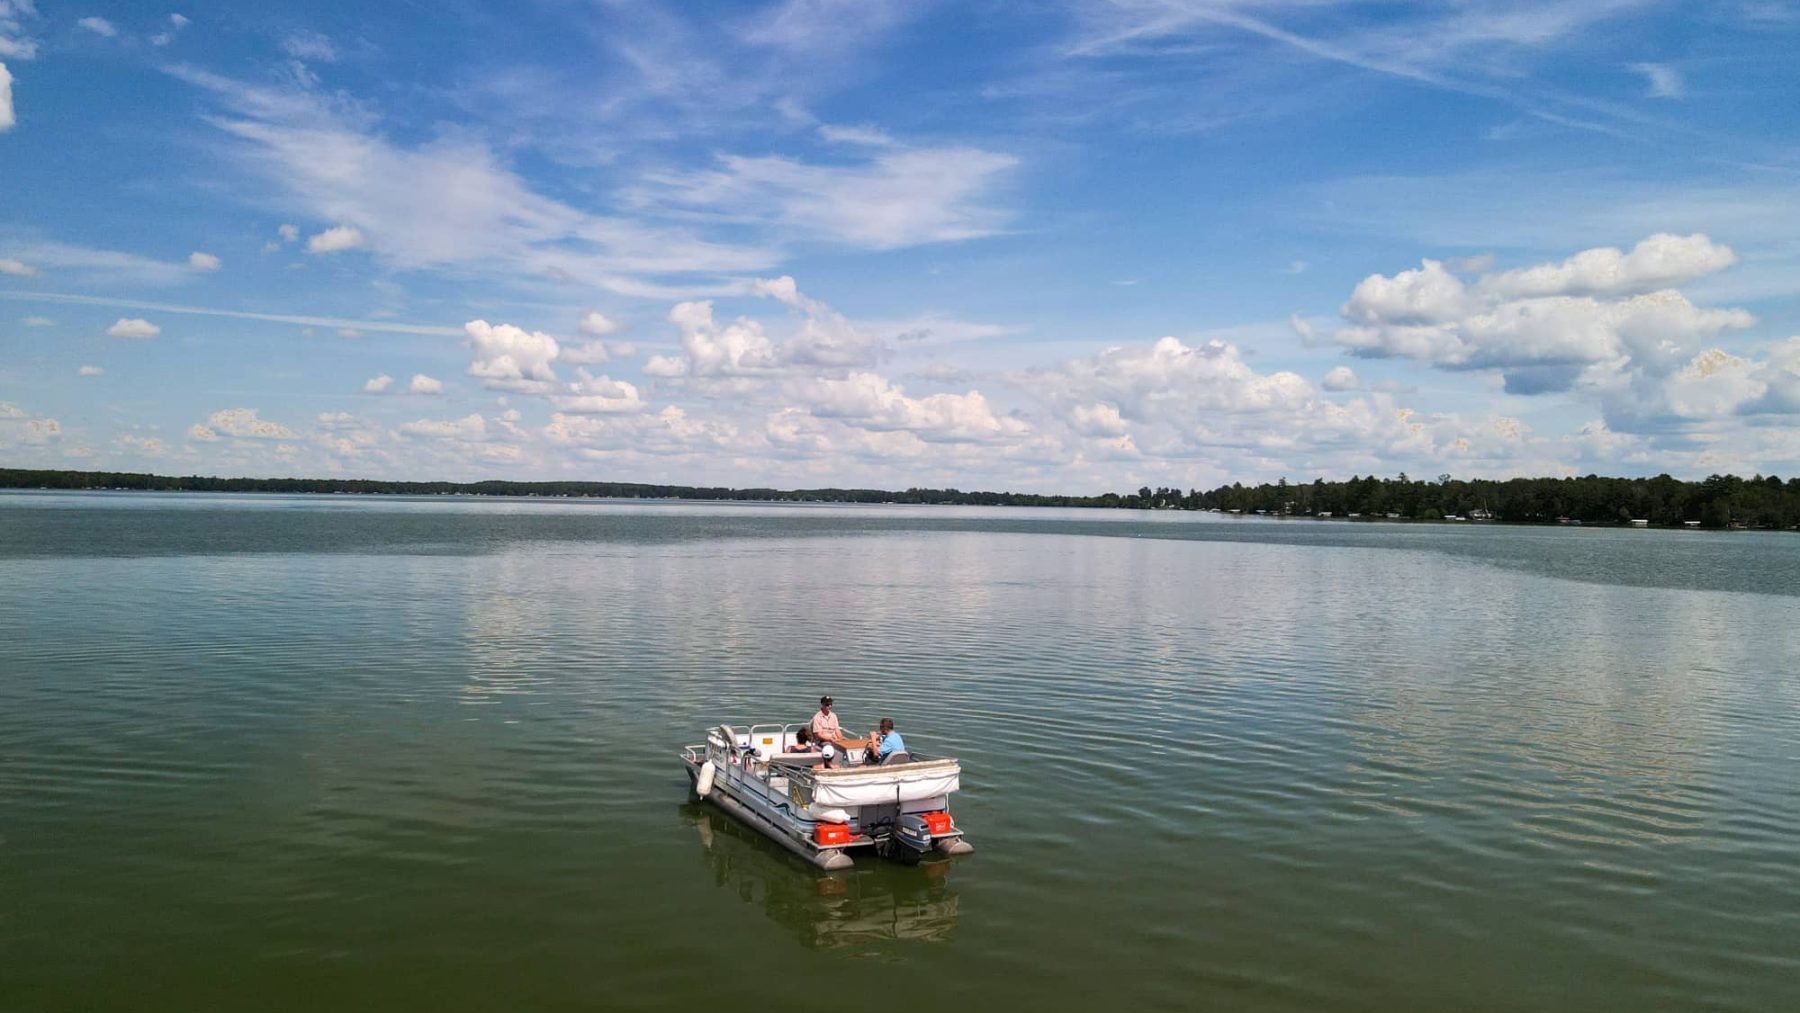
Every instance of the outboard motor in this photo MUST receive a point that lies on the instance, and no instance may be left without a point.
(907, 840)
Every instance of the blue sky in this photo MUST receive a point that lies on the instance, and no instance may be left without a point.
(1050, 246)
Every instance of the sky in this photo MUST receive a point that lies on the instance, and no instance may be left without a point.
(1041, 245)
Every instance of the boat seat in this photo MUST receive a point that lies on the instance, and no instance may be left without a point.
(894, 758)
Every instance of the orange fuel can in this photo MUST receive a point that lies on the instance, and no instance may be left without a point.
(832, 833)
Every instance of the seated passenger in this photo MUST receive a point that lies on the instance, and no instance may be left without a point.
(803, 742)
(886, 743)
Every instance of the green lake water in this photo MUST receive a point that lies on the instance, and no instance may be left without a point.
(310, 753)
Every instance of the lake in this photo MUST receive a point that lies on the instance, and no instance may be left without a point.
(301, 753)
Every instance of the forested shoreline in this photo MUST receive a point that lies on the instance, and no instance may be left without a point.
(1720, 501)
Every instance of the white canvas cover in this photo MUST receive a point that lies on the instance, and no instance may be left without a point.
(906, 782)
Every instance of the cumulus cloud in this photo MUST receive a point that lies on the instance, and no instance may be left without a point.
(17, 267)
(1552, 326)
(422, 384)
(1342, 378)
(1098, 420)
(379, 384)
(1657, 262)
(99, 26)
(598, 325)
(511, 358)
(239, 423)
(133, 327)
(824, 338)
(288, 233)
(595, 395)
(89, 371)
(19, 425)
(203, 261)
(335, 240)
(869, 401)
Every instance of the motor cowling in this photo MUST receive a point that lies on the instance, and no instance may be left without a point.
(907, 841)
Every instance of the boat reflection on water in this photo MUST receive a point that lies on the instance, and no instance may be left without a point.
(854, 907)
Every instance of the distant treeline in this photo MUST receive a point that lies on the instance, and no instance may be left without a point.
(1717, 502)
(17, 478)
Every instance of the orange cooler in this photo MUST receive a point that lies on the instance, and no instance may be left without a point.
(832, 833)
(939, 822)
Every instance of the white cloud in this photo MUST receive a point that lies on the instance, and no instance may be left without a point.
(288, 233)
(176, 23)
(1342, 378)
(1657, 262)
(309, 45)
(824, 338)
(1549, 327)
(7, 118)
(596, 352)
(349, 332)
(335, 240)
(133, 327)
(1098, 420)
(469, 429)
(16, 267)
(38, 322)
(14, 44)
(1427, 295)
(89, 371)
(587, 353)
(379, 384)
(898, 198)
(509, 357)
(203, 261)
(869, 401)
(593, 395)
(873, 137)
(239, 423)
(1663, 80)
(99, 26)
(597, 324)
(735, 349)
(149, 446)
(449, 201)
(99, 265)
(422, 384)
(386, 326)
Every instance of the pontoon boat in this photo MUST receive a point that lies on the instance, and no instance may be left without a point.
(824, 806)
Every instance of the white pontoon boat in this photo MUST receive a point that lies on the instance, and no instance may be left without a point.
(897, 809)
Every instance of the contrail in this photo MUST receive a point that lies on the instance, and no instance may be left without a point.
(279, 318)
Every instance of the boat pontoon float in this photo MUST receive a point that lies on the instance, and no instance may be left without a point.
(898, 809)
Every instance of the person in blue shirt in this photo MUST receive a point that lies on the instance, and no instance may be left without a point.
(887, 742)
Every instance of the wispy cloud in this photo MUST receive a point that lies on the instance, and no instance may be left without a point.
(387, 326)
(899, 197)
(447, 202)
(1664, 81)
